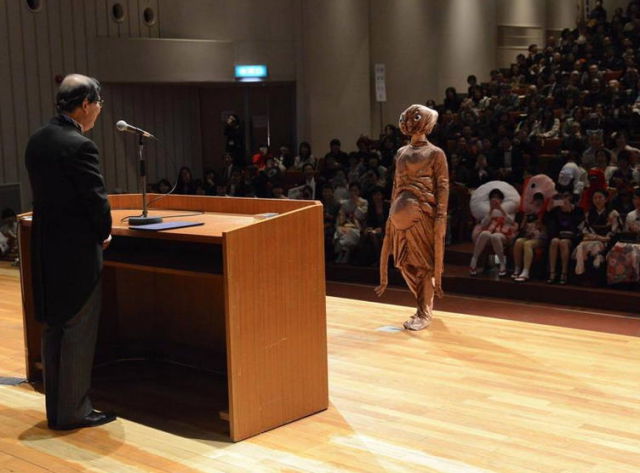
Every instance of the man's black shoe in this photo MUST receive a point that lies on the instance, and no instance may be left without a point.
(93, 419)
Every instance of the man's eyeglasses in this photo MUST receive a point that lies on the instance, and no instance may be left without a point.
(100, 102)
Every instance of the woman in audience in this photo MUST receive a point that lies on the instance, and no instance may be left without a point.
(304, 157)
(451, 100)
(531, 235)
(331, 208)
(481, 173)
(548, 126)
(498, 228)
(373, 234)
(350, 222)
(598, 227)
(185, 184)
(562, 221)
(632, 222)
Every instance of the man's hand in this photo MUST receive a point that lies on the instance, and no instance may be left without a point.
(106, 243)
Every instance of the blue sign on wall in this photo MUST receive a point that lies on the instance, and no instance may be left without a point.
(254, 71)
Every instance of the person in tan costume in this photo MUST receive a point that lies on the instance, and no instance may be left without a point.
(417, 220)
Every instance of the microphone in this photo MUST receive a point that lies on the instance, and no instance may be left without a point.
(121, 125)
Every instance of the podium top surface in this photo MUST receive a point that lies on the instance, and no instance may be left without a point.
(215, 224)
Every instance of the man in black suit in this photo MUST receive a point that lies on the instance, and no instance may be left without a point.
(71, 228)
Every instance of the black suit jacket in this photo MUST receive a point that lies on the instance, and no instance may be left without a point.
(71, 219)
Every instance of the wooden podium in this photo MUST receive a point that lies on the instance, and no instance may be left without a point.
(240, 295)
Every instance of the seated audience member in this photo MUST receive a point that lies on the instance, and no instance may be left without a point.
(573, 175)
(623, 260)
(623, 202)
(531, 235)
(498, 228)
(222, 189)
(481, 173)
(573, 140)
(623, 175)
(355, 168)
(451, 100)
(350, 222)
(209, 182)
(199, 186)
(621, 144)
(340, 185)
(598, 227)
(236, 186)
(603, 163)
(163, 186)
(259, 159)
(632, 221)
(271, 169)
(501, 160)
(336, 153)
(227, 169)
(369, 180)
(388, 150)
(563, 220)
(595, 178)
(277, 190)
(186, 185)
(284, 160)
(312, 181)
(373, 233)
(374, 163)
(547, 126)
(595, 144)
(9, 233)
(331, 208)
(304, 157)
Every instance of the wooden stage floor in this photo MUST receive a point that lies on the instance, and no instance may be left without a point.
(473, 394)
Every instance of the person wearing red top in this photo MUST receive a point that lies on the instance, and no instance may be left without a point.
(260, 158)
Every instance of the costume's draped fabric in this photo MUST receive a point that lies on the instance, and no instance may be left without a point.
(417, 220)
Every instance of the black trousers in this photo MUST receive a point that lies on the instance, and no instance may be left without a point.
(67, 353)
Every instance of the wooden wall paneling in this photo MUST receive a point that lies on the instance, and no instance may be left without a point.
(107, 150)
(148, 121)
(102, 18)
(133, 17)
(8, 149)
(80, 43)
(90, 33)
(130, 140)
(146, 30)
(196, 126)
(18, 91)
(113, 25)
(159, 130)
(118, 139)
(45, 69)
(178, 130)
(68, 38)
(155, 29)
(55, 44)
(31, 72)
(169, 142)
(276, 336)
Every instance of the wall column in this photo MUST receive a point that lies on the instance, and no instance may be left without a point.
(333, 78)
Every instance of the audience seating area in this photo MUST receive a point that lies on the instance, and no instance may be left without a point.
(568, 109)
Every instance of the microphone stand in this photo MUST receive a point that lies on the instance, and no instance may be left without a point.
(144, 219)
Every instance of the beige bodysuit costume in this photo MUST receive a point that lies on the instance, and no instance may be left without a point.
(417, 220)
